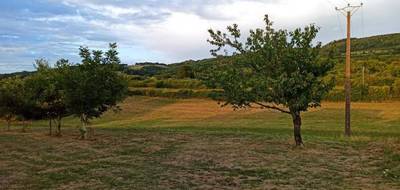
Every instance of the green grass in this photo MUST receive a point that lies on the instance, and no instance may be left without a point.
(157, 143)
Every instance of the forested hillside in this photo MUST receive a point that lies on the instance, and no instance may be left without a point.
(375, 72)
(375, 66)
(382, 44)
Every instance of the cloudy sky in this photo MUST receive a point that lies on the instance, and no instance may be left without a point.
(163, 30)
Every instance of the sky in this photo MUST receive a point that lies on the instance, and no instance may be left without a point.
(166, 31)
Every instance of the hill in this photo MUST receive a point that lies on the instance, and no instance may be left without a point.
(22, 74)
(375, 68)
(379, 54)
(388, 44)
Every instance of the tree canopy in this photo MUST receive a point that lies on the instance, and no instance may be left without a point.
(10, 98)
(95, 86)
(85, 90)
(273, 69)
(48, 91)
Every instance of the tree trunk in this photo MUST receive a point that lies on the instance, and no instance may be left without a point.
(59, 126)
(297, 128)
(8, 124)
(24, 126)
(50, 127)
(83, 128)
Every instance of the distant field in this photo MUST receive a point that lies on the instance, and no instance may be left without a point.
(160, 143)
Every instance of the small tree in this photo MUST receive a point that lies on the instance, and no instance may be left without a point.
(17, 100)
(9, 100)
(47, 87)
(29, 108)
(273, 69)
(94, 86)
(185, 71)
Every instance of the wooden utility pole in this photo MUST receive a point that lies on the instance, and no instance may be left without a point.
(363, 82)
(363, 76)
(348, 11)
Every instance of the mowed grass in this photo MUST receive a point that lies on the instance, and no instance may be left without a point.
(157, 143)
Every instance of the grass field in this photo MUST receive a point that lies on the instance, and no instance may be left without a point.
(157, 143)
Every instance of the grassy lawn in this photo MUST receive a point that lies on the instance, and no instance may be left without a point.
(157, 143)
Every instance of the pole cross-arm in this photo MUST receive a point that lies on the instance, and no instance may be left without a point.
(349, 9)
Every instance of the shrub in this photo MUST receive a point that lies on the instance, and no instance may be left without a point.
(379, 93)
(359, 93)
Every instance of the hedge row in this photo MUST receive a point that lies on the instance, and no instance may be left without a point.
(371, 93)
(172, 93)
(167, 83)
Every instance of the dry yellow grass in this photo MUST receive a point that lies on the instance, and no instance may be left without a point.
(194, 109)
(159, 143)
(385, 110)
(198, 109)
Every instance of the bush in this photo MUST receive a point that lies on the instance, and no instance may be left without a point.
(335, 95)
(367, 93)
(379, 93)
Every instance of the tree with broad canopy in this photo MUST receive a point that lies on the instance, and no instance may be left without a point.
(273, 69)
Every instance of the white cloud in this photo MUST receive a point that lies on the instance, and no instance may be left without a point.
(174, 30)
(61, 18)
(11, 50)
(113, 11)
(9, 36)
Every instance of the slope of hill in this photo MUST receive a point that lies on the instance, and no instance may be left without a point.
(146, 69)
(385, 48)
(22, 74)
(376, 57)
(381, 44)
(375, 67)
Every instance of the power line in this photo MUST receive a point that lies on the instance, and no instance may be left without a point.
(347, 2)
(340, 23)
(362, 21)
(338, 16)
(331, 3)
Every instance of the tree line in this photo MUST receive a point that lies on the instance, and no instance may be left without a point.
(84, 90)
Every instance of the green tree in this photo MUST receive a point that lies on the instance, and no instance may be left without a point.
(47, 86)
(185, 71)
(9, 98)
(95, 86)
(17, 100)
(273, 69)
(29, 108)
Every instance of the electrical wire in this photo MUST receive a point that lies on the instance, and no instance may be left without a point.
(340, 23)
(331, 3)
(362, 21)
(346, 1)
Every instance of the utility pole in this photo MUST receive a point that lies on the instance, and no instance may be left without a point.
(363, 82)
(348, 11)
(363, 76)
